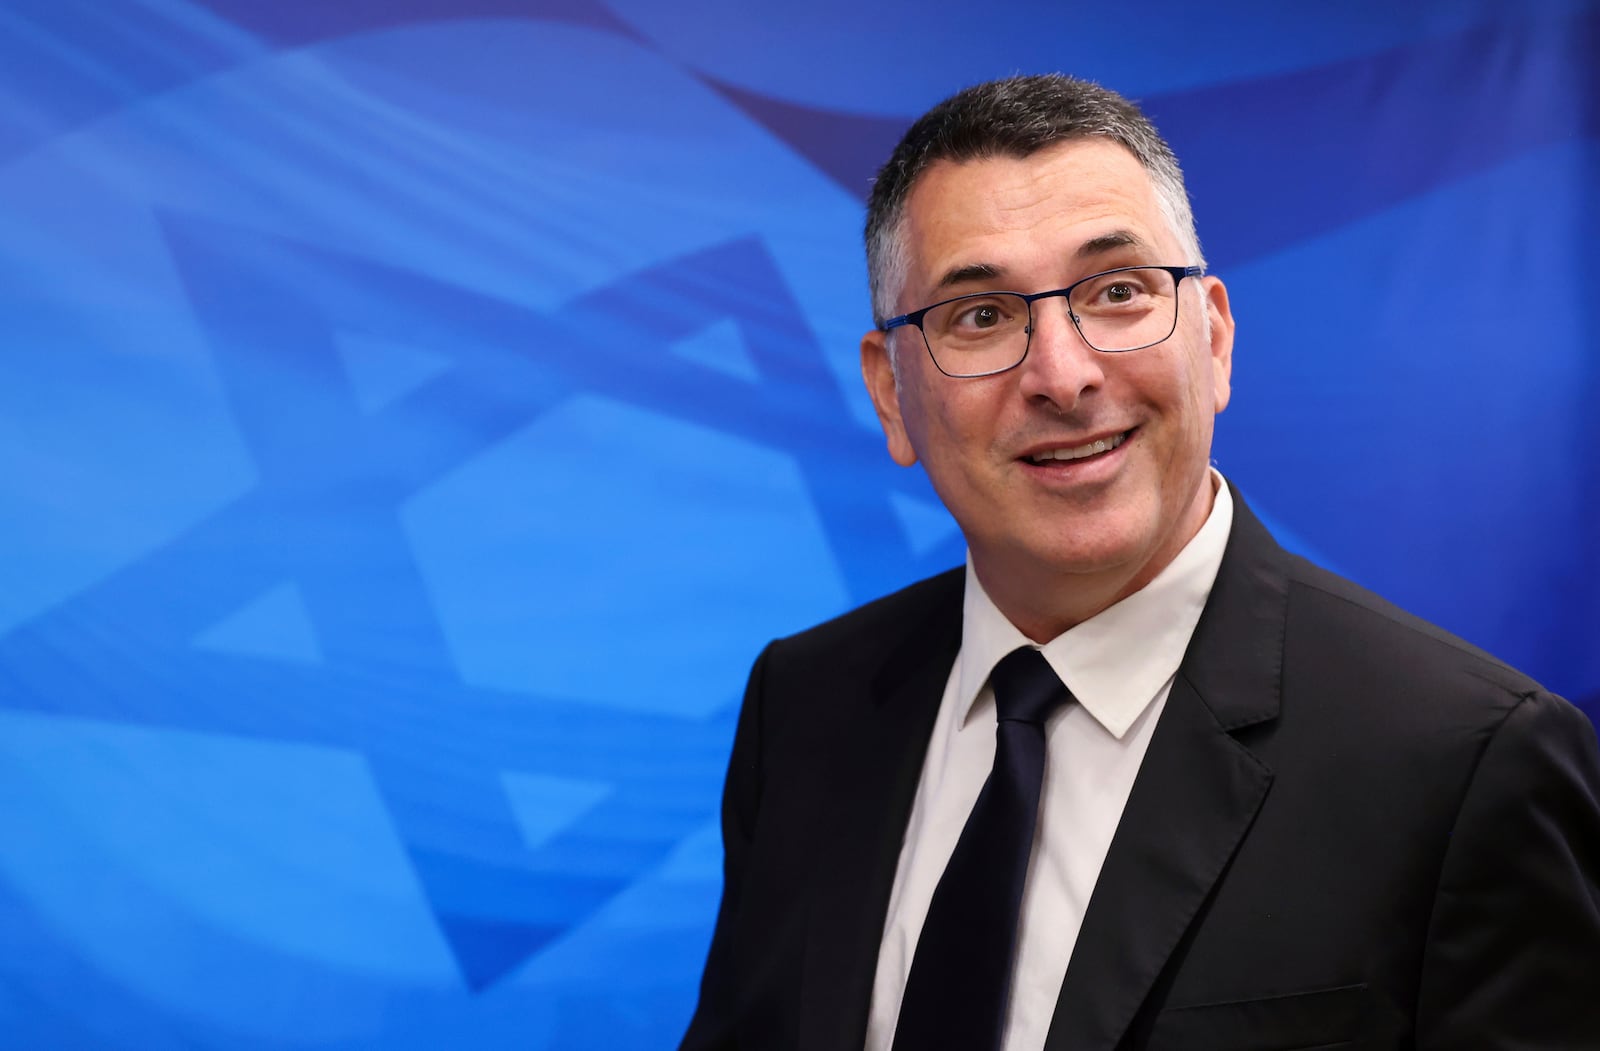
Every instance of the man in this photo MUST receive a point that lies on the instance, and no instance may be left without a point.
(1135, 777)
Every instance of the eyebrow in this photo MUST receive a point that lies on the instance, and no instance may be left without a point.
(1090, 249)
(971, 272)
(1097, 246)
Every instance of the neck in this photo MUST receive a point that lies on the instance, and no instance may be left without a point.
(1043, 601)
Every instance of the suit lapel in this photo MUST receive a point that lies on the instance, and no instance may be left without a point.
(861, 822)
(1197, 793)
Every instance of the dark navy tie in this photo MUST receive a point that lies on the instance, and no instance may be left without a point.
(960, 976)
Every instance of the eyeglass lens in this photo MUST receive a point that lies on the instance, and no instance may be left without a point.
(989, 332)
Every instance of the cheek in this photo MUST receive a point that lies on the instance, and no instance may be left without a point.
(1181, 388)
(1221, 389)
(914, 413)
(1202, 411)
(954, 433)
(938, 415)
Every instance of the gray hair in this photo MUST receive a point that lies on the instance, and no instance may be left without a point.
(1015, 117)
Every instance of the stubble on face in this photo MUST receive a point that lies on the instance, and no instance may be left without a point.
(1055, 544)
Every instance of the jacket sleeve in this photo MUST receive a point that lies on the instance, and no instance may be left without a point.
(714, 1025)
(1513, 947)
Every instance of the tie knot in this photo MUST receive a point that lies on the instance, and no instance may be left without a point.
(1026, 688)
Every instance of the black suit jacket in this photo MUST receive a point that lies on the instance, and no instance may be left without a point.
(1351, 830)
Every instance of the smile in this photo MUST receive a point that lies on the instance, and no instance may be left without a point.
(1079, 452)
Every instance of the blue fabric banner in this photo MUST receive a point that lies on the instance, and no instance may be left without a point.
(415, 416)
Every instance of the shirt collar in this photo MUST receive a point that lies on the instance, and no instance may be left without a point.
(1118, 660)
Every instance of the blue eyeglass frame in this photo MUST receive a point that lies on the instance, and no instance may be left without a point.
(915, 317)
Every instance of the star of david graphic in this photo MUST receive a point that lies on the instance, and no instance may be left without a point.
(324, 514)
(322, 519)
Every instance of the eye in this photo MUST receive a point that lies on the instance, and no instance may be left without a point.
(980, 316)
(1121, 290)
(977, 319)
(1129, 290)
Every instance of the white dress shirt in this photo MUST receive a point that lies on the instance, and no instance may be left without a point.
(1119, 665)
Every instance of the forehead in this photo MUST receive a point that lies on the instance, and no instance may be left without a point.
(1027, 216)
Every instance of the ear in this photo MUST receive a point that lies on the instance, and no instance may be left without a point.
(1221, 318)
(877, 369)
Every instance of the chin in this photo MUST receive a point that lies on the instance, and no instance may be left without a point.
(1100, 542)
(1087, 556)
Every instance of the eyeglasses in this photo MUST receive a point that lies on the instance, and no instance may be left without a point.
(1129, 308)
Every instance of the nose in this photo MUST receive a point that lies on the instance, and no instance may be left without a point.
(1060, 367)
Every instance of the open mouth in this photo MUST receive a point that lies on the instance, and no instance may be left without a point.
(1089, 450)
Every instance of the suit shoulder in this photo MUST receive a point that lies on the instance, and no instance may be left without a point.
(882, 623)
(1366, 630)
(827, 670)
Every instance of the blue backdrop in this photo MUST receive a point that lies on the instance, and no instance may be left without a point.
(415, 415)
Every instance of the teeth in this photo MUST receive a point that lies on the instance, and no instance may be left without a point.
(1081, 451)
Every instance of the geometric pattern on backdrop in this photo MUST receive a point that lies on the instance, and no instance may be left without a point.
(418, 418)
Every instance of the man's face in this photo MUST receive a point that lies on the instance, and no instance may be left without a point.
(1102, 525)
